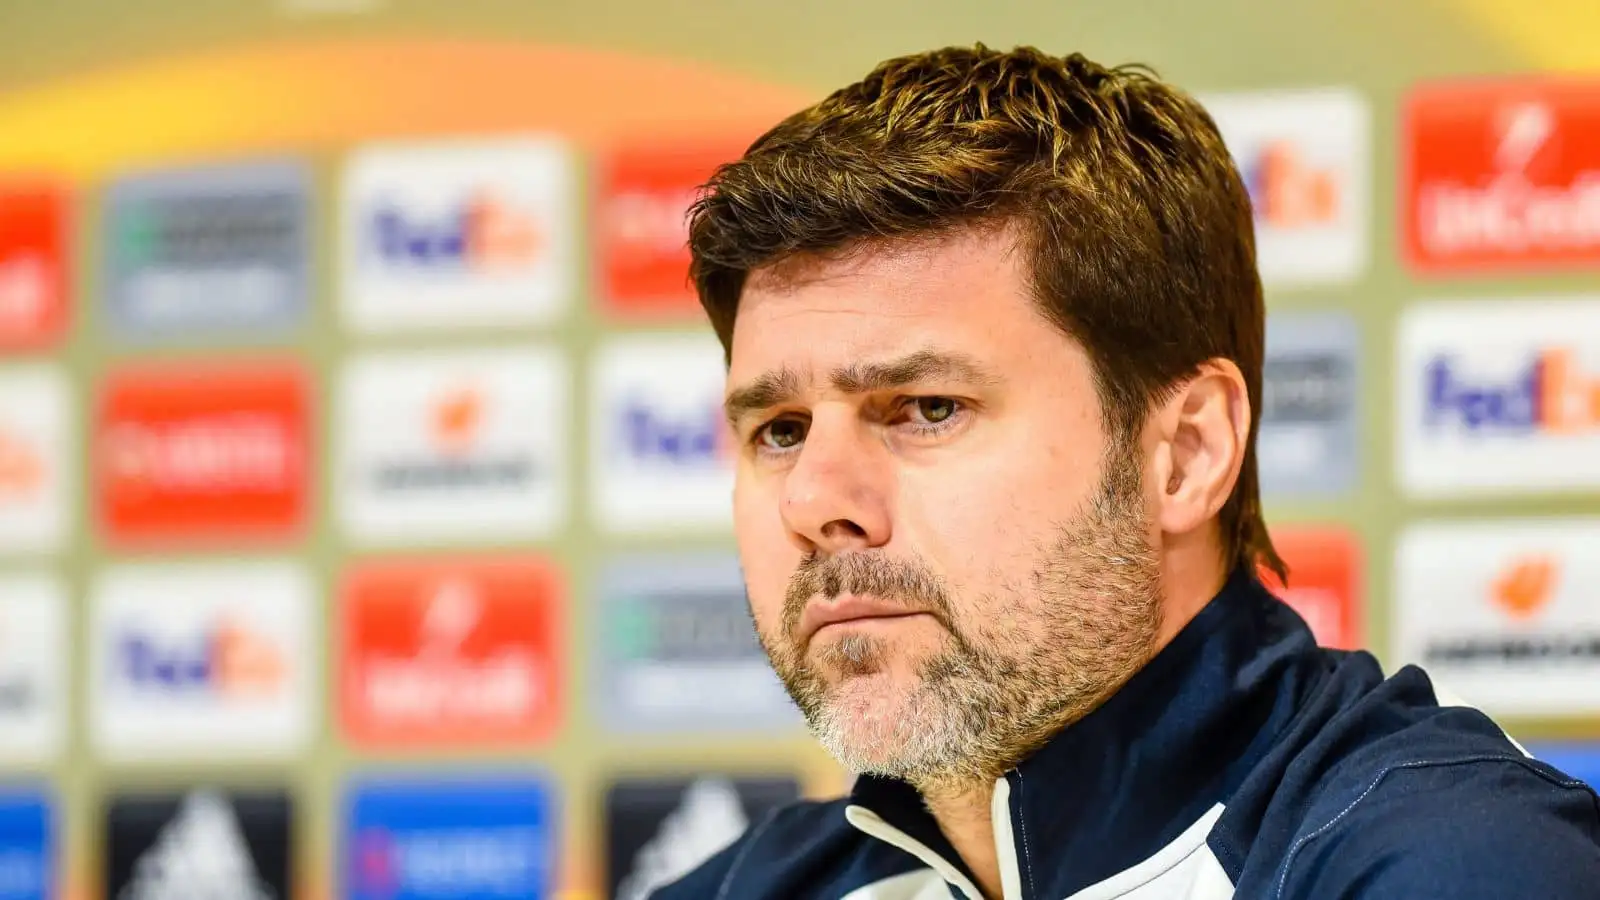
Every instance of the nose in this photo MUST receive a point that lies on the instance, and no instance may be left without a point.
(837, 497)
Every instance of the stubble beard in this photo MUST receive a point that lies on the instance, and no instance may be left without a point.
(1087, 619)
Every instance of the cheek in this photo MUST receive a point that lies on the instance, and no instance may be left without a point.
(975, 518)
(766, 554)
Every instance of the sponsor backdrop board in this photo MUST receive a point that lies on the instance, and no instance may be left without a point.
(375, 425)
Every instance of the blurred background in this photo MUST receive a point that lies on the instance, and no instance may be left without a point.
(363, 526)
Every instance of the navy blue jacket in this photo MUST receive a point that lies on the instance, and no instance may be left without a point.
(1243, 761)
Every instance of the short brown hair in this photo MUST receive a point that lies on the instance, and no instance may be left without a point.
(1136, 224)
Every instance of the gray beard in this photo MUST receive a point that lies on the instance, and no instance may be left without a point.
(994, 693)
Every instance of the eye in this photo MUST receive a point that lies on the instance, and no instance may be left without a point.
(781, 434)
(933, 410)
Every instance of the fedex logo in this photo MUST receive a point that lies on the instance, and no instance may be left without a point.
(1499, 397)
(1550, 392)
(661, 449)
(202, 659)
(458, 234)
(690, 438)
(484, 232)
(1290, 191)
(1304, 156)
(228, 658)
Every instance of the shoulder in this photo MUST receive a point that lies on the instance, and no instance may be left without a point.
(1490, 825)
(1378, 785)
(1381, 785)
(802, 850)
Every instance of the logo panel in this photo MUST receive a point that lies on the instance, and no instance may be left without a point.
(198, 453)
(212, 660)
(457, 235)
(442, 839)
(1505, 614)
(27, 846)
(33, 669)
(1581, 761)
(206, 842)
(1309, 440)
(661, 454)
(1325, 583)
(658, 830)
(451, 653)
(642, 228)
(1497, 398)
(1501, 175)
(36, 452)
(208, 250)
(679, 652)
(1305, 157)
(443, 446)
(34, 259)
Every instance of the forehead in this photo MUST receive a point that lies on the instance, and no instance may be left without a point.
(964, 292)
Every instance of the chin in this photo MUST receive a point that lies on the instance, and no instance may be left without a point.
(863, 723)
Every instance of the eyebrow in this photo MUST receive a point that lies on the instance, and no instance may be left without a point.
(782, 386)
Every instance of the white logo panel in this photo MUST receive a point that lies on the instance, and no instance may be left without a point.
(454, 445)
(33, 668)
(1498, 398)
(660, 454)
(1505, 613)
(449, 235)
(35, 460)
(1305, 156)
(202, 660)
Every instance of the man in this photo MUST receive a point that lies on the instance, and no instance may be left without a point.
(994, 334)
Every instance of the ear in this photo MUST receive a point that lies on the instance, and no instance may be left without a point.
(1202, 431)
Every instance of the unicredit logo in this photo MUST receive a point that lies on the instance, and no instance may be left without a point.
(222, 454)
(443, 682)
(23, 291)
(651, 222)
(1512, 208)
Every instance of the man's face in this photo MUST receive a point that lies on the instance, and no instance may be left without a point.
(948, 558)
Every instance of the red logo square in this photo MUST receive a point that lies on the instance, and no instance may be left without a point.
(1501, 175)
(203, 453)
(1325, 585)
(450, 652)
(33, 266)
(641, 231)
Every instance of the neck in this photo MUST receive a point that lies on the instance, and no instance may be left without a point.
(1192, 572)
(964, 816)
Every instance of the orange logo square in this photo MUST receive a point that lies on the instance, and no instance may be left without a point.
(450, 652)
(198, 453)
(1325, 585)
(33, 266)
(641, 230)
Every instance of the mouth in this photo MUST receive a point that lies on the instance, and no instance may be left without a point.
(850, 610)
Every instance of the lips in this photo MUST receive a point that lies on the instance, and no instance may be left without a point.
(849, 608)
